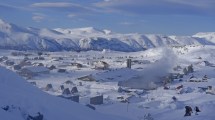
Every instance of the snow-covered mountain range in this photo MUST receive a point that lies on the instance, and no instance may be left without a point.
(82, 39)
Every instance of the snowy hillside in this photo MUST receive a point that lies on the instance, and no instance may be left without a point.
(82, 39)
(19, 100)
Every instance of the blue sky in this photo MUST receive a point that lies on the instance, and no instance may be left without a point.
(179, 17)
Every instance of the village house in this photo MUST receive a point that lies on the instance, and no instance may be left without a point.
(61, 70)
(9, 62)
(25, 63)
(32, 71)
(78, 65)
(38, 64)
(17, 67)
(101, 65)
(3, 58)
(52, 67)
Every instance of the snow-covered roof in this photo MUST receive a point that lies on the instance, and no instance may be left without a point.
(36, 69)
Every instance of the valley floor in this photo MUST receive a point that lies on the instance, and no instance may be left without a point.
(162, 104)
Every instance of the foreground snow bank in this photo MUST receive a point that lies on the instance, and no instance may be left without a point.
(18, 100)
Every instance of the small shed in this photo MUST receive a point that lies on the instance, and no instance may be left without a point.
(209, 87)
(49, 87)
(98, 100)
(66, 91)
(52, 67)
(62, 87)
(74, 90)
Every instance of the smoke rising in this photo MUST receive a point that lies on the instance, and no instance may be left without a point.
(152, 74)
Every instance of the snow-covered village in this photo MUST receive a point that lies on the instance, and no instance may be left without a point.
(88, 73)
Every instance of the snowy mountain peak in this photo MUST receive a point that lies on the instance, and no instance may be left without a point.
(76, 31)
(88, 29)
(1, 21)
(204, 34)
(107, 32)
(4, 26)
(85, 30)
(209, 36)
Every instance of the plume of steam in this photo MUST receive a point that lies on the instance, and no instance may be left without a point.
(161, 67)
(152, 74)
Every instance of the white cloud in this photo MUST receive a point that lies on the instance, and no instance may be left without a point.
(153, 7)
(72, 15)
(65, 6)
(38, 17)
(77, 11)
(50, 4)
(197, 3)
(127, 23)
(14, 7)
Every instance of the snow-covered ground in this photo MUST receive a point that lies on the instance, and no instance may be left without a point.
(147, 67)
(19, 100)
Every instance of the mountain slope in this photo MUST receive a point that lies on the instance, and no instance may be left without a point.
(18, 38)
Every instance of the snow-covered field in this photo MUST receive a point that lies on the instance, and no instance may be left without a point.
(106, 69)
